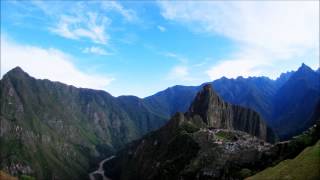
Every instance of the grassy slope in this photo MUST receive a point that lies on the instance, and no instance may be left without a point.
(305, 166)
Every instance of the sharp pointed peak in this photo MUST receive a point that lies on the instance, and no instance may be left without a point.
(304, 67)
(17, 71)
(205, 99)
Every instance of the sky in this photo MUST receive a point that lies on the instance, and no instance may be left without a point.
(141, 47)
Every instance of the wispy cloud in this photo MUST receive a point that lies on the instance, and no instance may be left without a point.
(96, 50)
(128, 14)
(175, 56)
(88, 20)
(161, 28)
(267, 33)
(91, 26)
(50, 64)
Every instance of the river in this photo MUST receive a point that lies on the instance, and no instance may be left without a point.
(100, 170)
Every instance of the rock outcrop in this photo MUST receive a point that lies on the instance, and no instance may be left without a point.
(216, 113)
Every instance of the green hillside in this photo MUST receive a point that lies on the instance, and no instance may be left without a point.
(305, 166)
(50, 130)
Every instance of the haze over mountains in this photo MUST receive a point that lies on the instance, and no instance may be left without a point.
(53, 130)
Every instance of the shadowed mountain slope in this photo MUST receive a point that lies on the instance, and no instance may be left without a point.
(52, 130)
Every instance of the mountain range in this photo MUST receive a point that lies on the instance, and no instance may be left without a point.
(212, 140)
(55, 131)
(283, 103)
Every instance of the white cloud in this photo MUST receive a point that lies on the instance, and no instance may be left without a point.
(92, 26)
(275, 32)
(48, 64)
(85, 20)
(96, 50)
(161, 28)
(246, 63)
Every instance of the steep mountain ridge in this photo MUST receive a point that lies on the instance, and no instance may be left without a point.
(51, 130)
(218, 114)
(204, 142)
(297, 98)
(252, 92)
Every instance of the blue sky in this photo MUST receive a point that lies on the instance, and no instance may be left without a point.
(139, 48)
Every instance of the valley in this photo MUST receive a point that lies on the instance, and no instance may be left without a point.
(49, 129)
(159, 90)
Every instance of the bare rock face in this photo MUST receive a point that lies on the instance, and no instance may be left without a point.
(216, 113)
(212, 109)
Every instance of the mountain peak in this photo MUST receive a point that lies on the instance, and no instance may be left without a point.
(204, 98)
(304, 68)
(206, 104)
(17, 71)
(306, 72)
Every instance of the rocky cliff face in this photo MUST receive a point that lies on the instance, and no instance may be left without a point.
(216, 113)
(203, 143)
(54, 131)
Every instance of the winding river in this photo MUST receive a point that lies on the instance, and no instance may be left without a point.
(100, 170)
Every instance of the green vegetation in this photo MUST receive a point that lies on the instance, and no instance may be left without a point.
(225, 136)
(243, 173)
(302, 140)
(59, 131)
(25, 177)
(189, 127)
(305, 166)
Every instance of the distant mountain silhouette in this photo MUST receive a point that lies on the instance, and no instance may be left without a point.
(295, 101)
(285, 103)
